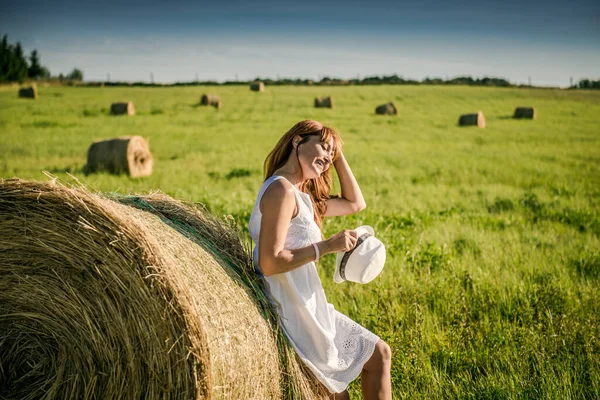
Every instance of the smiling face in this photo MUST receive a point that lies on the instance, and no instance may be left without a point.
(315, 156)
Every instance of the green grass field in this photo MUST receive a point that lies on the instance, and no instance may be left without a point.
(491, 288)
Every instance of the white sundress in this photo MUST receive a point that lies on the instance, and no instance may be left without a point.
(334, 347)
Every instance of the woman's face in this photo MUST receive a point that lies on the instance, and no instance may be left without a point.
(315, 156)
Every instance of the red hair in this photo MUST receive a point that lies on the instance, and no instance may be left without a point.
(318, 188)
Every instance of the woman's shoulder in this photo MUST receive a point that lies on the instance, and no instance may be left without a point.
(278, 191)
(279, 188)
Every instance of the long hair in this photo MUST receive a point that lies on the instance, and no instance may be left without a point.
(318, 188)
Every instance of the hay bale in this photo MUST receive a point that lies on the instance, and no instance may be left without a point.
(524, 112)
(472, 119)
(122, 108)
(387, 109)
(132, 297)
(29, 92)
(323, 102)
(127, 154)
(211, 100)
(257, 86)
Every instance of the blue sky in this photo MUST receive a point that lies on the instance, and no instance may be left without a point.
(548, 41)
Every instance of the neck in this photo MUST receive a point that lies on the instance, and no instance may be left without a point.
(291, 171)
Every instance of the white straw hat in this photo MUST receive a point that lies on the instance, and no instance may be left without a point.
(364, 262)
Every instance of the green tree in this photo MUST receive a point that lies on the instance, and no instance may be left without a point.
(13, 65)
(35, 68)
(75, 75)
(45, 73)
(4, 58)
(18, 70)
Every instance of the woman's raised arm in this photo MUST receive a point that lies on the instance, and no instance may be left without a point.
(352, 200)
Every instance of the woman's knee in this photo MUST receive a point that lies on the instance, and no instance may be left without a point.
(385, 353)
(381, 358)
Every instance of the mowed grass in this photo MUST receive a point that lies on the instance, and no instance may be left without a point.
(491, 286)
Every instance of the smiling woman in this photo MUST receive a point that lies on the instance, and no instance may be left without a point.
(286, 226)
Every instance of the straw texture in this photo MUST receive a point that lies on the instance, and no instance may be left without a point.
(122, 108)
(257, 86)
(126, 154)
(477, 119)
(323, 102)
(386, 109)
(211, 100)
(29, 92)
(524, 112)
(129, 297)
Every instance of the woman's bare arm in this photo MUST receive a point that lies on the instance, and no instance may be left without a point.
(277, 207)
(352, 200)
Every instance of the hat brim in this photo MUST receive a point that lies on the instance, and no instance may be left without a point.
(337, 278)
(336, 275)
(376, 264)
(365, 228)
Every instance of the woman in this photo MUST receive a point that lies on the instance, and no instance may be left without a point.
(286, 227)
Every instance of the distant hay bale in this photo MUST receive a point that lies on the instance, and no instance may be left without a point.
(524, 112)
(211, 100)
(472, 119)
(122, 108)
(257, 86)
(323, 102)
(29, 92)
(387, 109)
(123, 155)
(133, 297)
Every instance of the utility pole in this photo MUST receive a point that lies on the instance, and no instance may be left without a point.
(571, 82)
(151, 77)
(529, 78)
(108, 77)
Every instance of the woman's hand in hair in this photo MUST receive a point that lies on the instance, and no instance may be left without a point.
(342, 241)
(352, 200)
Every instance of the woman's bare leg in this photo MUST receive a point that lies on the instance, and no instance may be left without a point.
(376, 377)
(340, 396)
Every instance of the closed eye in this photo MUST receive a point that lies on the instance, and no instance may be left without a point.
(328, 149)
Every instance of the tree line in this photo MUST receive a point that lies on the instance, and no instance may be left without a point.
(16, 67)
(588, 84)
(327, 81)
(370, 80)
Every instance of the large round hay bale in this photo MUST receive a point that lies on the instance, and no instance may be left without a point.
(323, 102)
(211, 100)
(257, 86)
(29, 92)
(387, 109)
(132, 297)
(122, 108)
(123, 155)
(524, 112)
(472, 119)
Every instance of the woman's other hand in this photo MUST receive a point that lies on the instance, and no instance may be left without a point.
(342, 241)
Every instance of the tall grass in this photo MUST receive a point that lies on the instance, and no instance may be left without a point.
(493, 273)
